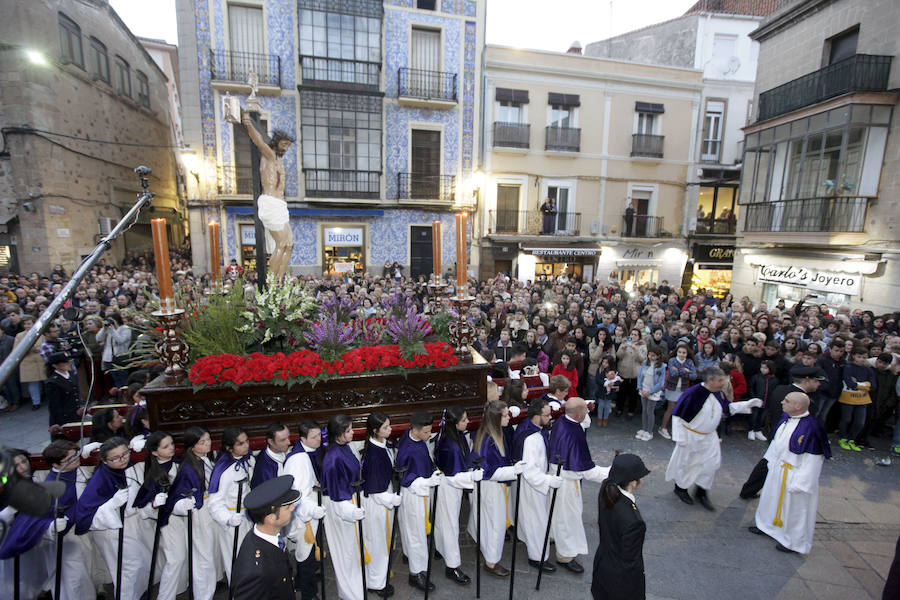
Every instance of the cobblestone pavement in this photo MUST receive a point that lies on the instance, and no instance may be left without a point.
(690, 554)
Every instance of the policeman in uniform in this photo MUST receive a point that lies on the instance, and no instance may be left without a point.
(264, 568)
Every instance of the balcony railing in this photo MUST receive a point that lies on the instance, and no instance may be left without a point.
(711, 226)
(563, 139)
(435, 188)
(234, 180)
(858, 73)
(643, 144)
(426, 85)
(234, 66)
(332, 183)
(642, 226)
(340, 73)
(512, 135)
(533, 222)
(808, 215)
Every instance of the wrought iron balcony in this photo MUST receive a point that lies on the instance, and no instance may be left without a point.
(235, 67)
(512, 135)
(808, 215)
(858, 73)
(563, 139)
(433, 188)
(333, 183)
(534, 222)
(643, 144)
(340, 73)
(642, 226)
(426, 85)
(234, 180)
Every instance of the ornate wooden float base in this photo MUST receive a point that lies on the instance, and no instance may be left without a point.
(175, 407)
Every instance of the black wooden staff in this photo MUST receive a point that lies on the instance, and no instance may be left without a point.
(515, 536)
(357, 488)
(237, 533)
(559, 466)
(431, 542)
(190, 524)
(321, 558)
(165, 489)
(397, 478)
(121, 548)
(478, 460)
(60, 512)
(16, 591)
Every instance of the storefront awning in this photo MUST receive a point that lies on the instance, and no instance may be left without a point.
(840, 264)
(560, 250)
(644, 264)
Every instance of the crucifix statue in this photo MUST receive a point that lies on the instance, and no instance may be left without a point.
(271, 207)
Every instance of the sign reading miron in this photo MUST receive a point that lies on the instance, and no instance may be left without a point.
(343, 236)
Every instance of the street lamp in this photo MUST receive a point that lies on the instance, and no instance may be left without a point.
(35, 57)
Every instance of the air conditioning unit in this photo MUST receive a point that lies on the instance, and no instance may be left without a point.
(595, 227)
(106, 225)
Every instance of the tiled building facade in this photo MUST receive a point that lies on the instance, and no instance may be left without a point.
(381, 98)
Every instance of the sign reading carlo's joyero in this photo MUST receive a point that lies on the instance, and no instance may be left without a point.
(826, 281)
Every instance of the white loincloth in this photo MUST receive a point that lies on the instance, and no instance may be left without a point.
(273, 213)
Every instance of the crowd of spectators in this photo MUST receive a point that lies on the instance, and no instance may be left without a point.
(630, 352)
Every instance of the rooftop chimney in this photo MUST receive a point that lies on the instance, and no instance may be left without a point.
(574, 48)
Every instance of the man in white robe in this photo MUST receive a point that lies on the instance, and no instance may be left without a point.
(698, 455)
(568, 443)
(790, 496)
(530, 445)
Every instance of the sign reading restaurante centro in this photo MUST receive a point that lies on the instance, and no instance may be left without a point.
(826, 281)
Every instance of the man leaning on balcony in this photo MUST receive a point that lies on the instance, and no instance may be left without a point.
(548, 208)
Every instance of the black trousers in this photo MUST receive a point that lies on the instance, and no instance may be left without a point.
(307, 581)
(756, 480)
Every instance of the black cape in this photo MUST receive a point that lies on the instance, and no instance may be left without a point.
(619, 561)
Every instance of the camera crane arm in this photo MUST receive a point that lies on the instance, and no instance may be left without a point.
(43, 322)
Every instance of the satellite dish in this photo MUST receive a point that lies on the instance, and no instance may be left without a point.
(732, 66)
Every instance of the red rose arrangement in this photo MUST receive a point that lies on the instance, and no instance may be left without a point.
(307, 366)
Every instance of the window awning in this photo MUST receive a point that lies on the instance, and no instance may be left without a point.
(510, 95)
(649, 107)
(643, 264)
(570, 100)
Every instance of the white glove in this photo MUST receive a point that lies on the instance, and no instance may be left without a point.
(554, 481)
(235, 520)
(59, 524)
(477, 475)
(519, 467)
(358, 514)
(554, 405)
(184, 505)
(88, 448)
(317, 512)
(120, 498)
(755, 403)
(159, 500)
(434, 480)
(514, 411)
(137, 443)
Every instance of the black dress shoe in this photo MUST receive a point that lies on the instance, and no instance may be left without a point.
(418, 582)
(386, 592)
(683, 495)
(437, 555)
(548, 568)
(457, 576)
(405, 559)
(781, 548)
(497, 570)
(756, 530)
(573, 565)
(704, 502)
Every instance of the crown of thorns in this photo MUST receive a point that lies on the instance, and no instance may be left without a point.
(278, 136)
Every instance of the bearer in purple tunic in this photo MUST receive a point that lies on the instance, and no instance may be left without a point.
(532, 445)
(415, 495)
(97, 512)
(270, 460)
(790, 496)
(32, 538)
(340, 469)
(697, 455)
(568, 441)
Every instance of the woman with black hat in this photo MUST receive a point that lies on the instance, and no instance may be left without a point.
(619, 561)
